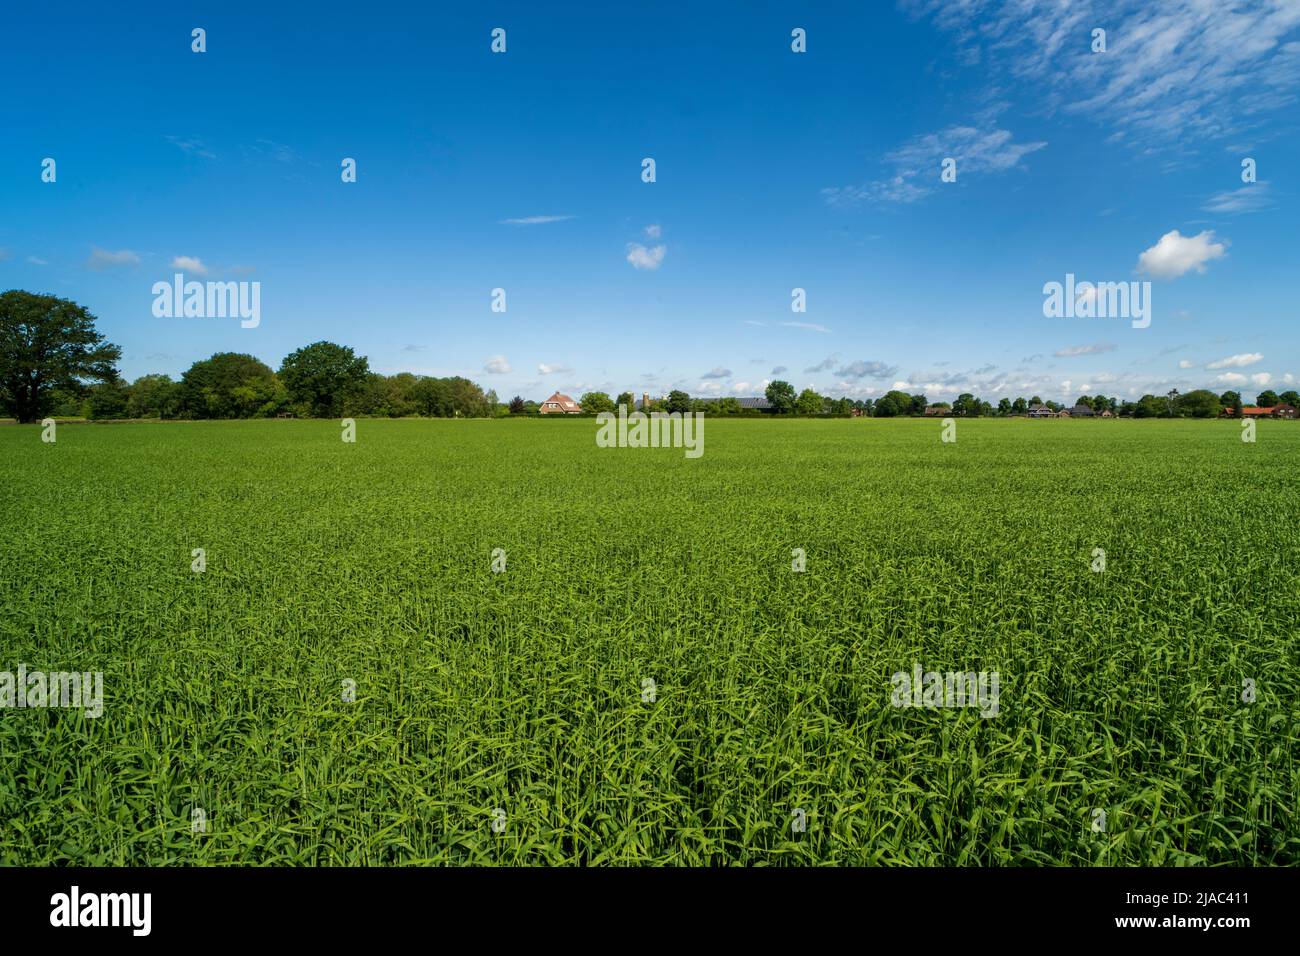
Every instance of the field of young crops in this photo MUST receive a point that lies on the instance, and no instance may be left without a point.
(648, 680)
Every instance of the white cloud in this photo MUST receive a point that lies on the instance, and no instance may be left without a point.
(497, 365)
(654, 231)
(101, 259)
(534, 220)
(1176, 254)
(811, 326)
(1261, 378)
(37, 262)
(1230, 378)
(643, 257)
(1237, 361)
(1184, 363)
(545, 369)
(190, 264)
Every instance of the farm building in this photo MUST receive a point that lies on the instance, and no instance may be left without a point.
(1257, 411)
(559, 404)
(757, 404)
(1041, 411)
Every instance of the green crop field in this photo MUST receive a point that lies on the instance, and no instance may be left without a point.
(649, 680)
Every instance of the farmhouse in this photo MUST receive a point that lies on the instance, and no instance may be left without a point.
(1257, 411)
(559, 404)
(1081, 411)
(757, 404)
(1041, 411)
(938, 410)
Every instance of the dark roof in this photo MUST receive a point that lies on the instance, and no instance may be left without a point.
(1082, 410)
(754, 403)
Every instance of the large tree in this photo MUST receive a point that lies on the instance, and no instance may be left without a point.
(781, 396)
(48, 343)
(320, 377)
(596, 402)
(808, 403)
(230, 385)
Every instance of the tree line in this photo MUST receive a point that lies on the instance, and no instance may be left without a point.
(54, 362)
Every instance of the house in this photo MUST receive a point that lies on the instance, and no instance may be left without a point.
(1107, 414)
(1258, 411)
(1041, 411)
(1063, 413)
(938, 410)
(755, 404)
(1081, 411)
(559, 404)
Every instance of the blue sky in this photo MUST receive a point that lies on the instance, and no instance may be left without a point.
(775, 170)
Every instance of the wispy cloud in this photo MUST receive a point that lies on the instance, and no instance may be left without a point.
(717, 372)
(1072, 351)
(811, 326)
(864, 369)
(545, 369)
(1251, 198)
(191, 147)
(1172, 71)
(917, 164)
(101, 259)
(497, 365)
(534, 220)
(1236, 361)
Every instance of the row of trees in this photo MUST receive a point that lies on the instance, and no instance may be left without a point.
(54, 362)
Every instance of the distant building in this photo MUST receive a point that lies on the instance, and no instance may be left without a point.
(758, 404)
(559, 404)
(1257, 411)
(938, 410)
(1041, 411)
(1081, 411)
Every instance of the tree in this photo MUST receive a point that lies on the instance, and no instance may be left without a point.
(48, 343)
(230, 385)
(1201, 403)
(1019, 406)
(626, 400)
(153, 396)
(893, 404)
(321, 376)
(808, 403)
(517, 405)
(781, 396)
(596, 402)
(1290, 398)
(966, 404)
(109, 399)
(918, 405)
(1035, 401)
(1266, 399)
(1004, 407)
(678, 401)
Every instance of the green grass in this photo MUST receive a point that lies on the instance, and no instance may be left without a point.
(1120, 691)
